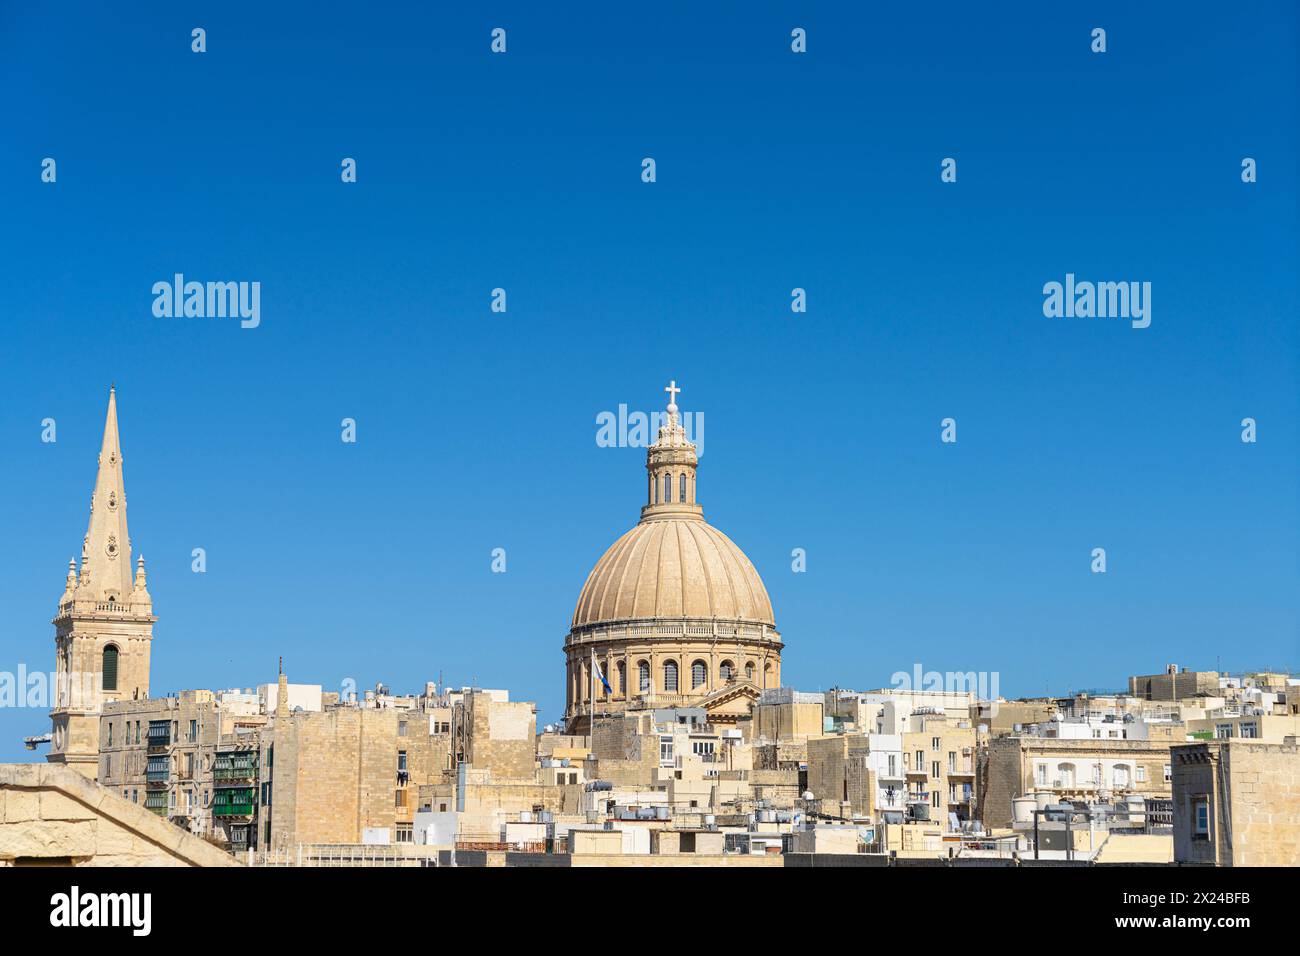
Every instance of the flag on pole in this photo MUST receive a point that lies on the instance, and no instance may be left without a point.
(601, 674)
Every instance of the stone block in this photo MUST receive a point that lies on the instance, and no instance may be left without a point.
(22, 805)
(75, 838)
(58, 806)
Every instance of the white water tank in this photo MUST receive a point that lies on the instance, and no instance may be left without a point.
(1022, 809)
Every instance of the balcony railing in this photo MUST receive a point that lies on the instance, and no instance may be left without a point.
(234, 773)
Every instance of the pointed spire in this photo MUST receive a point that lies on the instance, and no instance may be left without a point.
(71, 584)
(106, 551)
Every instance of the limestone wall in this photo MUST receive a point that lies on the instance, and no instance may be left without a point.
(50, 813)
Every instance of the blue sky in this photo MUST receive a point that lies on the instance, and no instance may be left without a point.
(477, 430)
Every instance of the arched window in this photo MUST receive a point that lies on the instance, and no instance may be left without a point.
(110, 667)
(1065, 773)
(622, 677)
(655, 481)
(681, 488)
(726, 670)
(749, 671)
(670, 677)
(699, 674)
(668, 487)
(643, 677)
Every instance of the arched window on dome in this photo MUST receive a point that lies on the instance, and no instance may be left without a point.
(668, 488)
(643, 677)
(699, 674)
(110, 667)
(749, 671)
(726, 670)
(681, 488)
(622, 677)
(670, 677)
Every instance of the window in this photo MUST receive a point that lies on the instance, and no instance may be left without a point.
(137, 730)
(110, 733)
(681, 488)
(1201, 818)
(749, 671)
(934, 770)
(1250, 730)
(699, 674)
(1065, 774)
(668, 488)
(1119, 773)
(1169, 775)
(401, 760)
(1222, 731)
(952, 761)
(670, 677)
(1141, 774)
(1040, 776)
(401, 728)
(920, 761)
(643, 677)
(934, 798)
(893, 766)
(403, 833)
(934, 744)
(110, 667)
(194, 731)
(622, 677)
(665, 751)
(704, 748)
(726, 670)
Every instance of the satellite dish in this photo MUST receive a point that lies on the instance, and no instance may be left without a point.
(808, 795)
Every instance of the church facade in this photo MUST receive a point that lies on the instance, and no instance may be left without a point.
(673, 614)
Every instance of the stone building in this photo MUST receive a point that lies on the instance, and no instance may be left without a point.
(673, 614)
(1237, 803)
(1070, 770)
(104, 623)
(1174, 684)
(939, 762)
(159, 754)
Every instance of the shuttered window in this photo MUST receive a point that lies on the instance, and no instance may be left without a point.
(110, 668)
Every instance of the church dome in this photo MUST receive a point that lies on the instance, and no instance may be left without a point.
(673, 565)
(673, 568)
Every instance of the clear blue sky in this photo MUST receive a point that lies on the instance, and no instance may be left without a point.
(775, 170)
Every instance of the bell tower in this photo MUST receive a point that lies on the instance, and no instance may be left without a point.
(104, 624)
